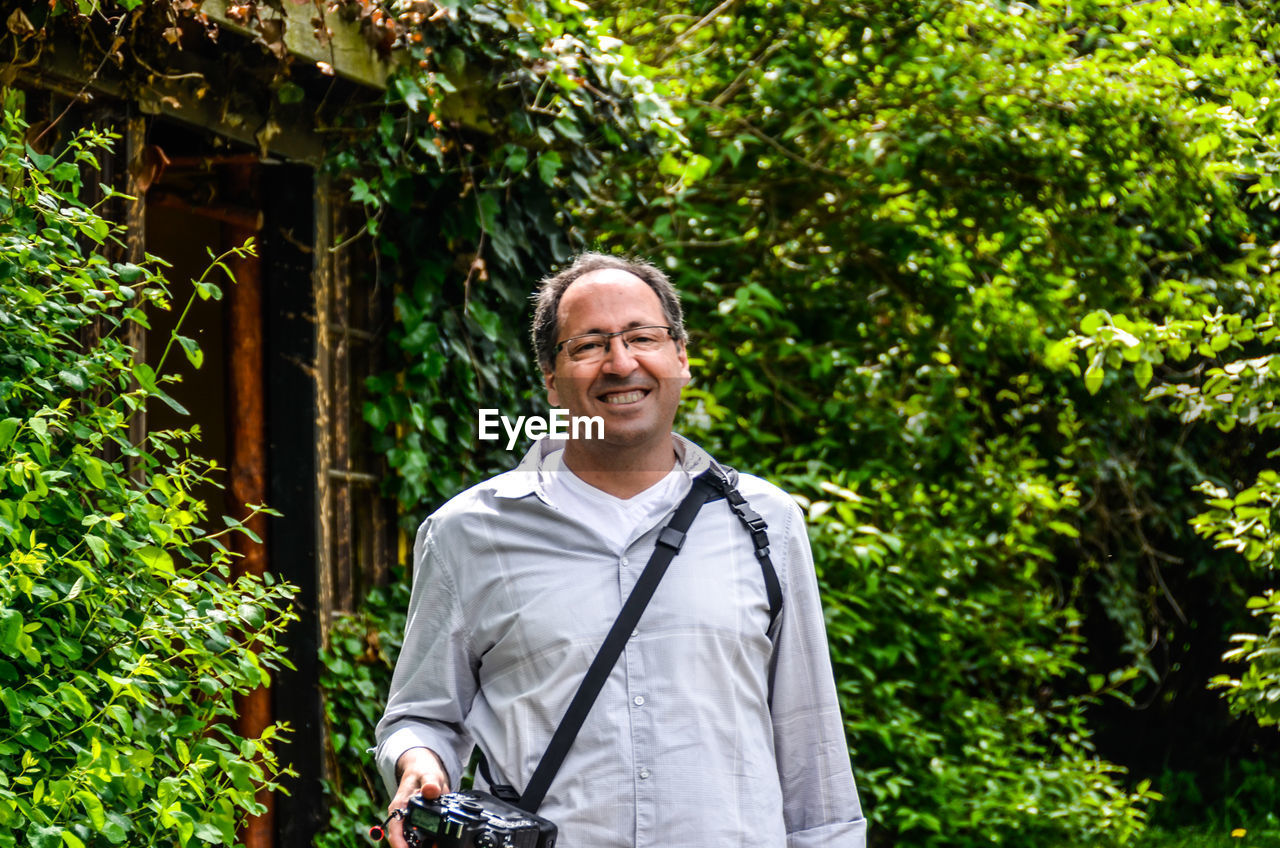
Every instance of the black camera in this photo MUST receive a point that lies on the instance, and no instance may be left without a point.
(467, 819)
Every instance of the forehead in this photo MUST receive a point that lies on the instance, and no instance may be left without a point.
(608, 299)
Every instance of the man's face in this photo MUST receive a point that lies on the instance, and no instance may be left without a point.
(635, 393)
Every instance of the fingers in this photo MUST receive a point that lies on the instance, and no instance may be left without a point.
(420, 772)
(395, 834)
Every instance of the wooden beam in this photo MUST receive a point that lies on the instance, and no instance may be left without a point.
(346, 52)
(241, 218)
(295, 137)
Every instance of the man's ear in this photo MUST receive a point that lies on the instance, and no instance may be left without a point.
(683, 356)
(549, 380)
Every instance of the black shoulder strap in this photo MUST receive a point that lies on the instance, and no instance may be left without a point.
(670, 539)
(758, 529)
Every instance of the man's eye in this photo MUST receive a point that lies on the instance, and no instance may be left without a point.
(586, 345)
(643, 338)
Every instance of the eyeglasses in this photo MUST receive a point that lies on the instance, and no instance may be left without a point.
(593, 346)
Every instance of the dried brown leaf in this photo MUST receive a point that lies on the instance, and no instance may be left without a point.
(148, 167)
(20, 25)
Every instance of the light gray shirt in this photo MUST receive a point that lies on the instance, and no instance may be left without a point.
(713, 730)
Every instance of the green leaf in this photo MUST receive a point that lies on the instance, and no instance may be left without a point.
(146, 377)
(410, 92)
(1206, 144)
(156, 559)
(1143, 372)
(98, 546)
(42, 161)
(8, 427)
(1095, 373)
(128, 273)
(489, 322)
(516, 159)
(290, 92)
(489, 209)
(208, 291)
(116, 827)
(94, 807)
(209, 832)
(1064, 529)
(549, 164)
(192, 348)
(439, 428)
(93, 470)
(1093, 322)
(11, 622)
(73, 379)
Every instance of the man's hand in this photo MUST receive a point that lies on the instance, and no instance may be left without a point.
(420, 770)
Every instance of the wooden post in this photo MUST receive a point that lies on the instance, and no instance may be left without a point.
(247, 431)
(324, 282)
(135, 218)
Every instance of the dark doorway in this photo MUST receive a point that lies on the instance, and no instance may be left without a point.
(254, 400)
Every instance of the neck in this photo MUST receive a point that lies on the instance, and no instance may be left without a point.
(623, 472)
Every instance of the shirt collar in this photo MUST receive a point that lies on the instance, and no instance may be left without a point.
(523, 480)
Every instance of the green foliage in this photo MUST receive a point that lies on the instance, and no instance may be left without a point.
(123, 638)
(500, 116)
(358, 662)
(1208, 351)
(886, 219)
(1262, 835)
(895, 225)
(926, 622)
(1193, 802)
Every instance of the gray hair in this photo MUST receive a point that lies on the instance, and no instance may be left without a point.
(546, 313)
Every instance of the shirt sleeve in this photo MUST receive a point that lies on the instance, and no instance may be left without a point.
(434, 682)
(820, 800)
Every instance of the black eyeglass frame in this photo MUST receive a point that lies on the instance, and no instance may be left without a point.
(671, 335)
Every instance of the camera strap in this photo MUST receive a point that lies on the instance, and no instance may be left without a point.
(708, 486)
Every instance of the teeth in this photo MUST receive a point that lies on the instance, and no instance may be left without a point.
(629, 397)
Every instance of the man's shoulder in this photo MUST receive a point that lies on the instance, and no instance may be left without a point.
(486, 497)
(766, 498)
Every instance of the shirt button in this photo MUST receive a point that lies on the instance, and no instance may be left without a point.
(635, 632)
(626, 561)
(644, 774)
(638, 700)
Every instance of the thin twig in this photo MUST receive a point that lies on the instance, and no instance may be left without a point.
(732, 88)
(93, 76)
(679, 39)
(777, 145)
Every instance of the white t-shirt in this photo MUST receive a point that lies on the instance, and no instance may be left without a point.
(618, 520)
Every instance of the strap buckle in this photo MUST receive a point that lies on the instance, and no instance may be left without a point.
(755, 523)
(672, 538)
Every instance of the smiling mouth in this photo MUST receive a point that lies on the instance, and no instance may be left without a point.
(625, 397)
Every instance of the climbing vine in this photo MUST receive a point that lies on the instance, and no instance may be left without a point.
(498, 121)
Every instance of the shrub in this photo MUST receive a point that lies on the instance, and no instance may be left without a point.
(124, 637)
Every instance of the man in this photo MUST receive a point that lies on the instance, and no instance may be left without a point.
(717, 726)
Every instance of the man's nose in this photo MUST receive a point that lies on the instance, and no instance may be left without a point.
(618, 358)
